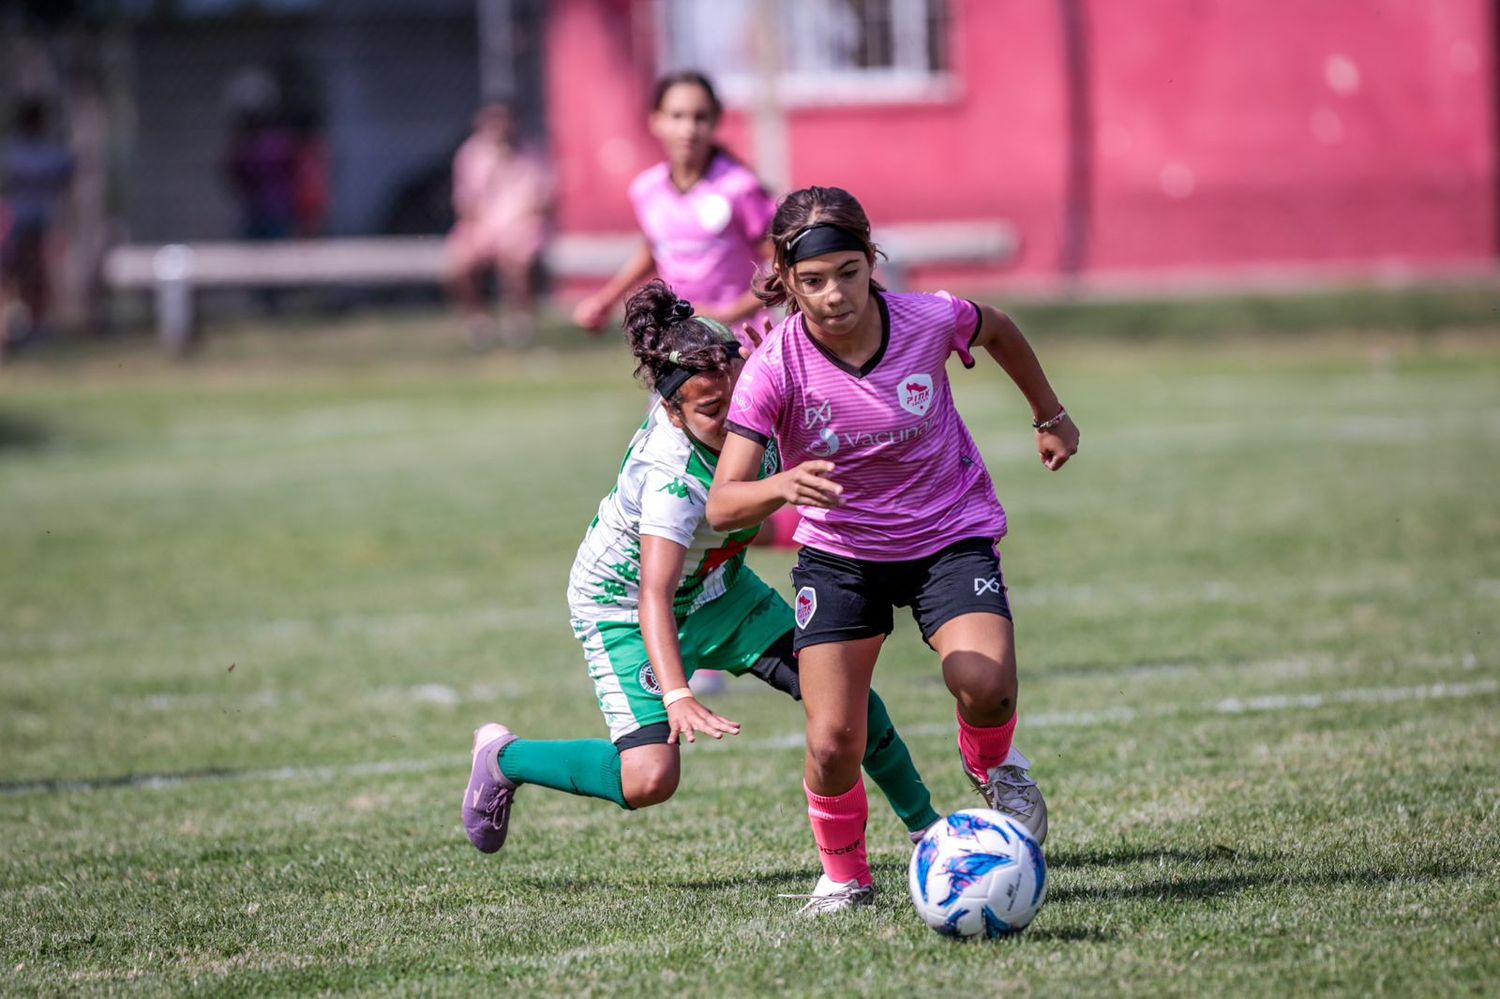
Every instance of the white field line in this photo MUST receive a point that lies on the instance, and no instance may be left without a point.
(555, 616)
(1289, 667)
(1229, 706)
(1069, 719)
(388, 626)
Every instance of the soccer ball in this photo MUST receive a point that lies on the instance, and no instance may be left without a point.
(978, 873)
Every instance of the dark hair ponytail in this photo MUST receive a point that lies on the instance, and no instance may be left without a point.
(796, 212)
(699, 79)
(666, 337)
(693, 76)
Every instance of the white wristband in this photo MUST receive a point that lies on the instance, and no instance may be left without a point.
(671, 697)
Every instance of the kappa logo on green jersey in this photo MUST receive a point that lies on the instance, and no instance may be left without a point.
(611, 592)
(677, 488)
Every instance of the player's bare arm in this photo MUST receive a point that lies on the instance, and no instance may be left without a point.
(661, 569)
(1057, 434)
(739, 499)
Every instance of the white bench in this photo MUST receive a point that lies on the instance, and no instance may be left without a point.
(174, 271)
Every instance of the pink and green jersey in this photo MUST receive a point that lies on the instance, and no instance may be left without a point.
(706, 239)
(914, 481)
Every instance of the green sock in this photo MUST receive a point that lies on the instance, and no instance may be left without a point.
(889, 765)
(590, 767)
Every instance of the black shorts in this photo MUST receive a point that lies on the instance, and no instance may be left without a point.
(840, 599)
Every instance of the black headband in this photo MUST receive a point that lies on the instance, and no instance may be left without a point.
(674, 375)
(820, 238)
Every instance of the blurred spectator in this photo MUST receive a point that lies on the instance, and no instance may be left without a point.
(261, 165)
(35, 171)
(501, 195)
(311, 195)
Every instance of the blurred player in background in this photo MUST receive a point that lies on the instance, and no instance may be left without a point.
(502, 194)
(655, 595)
(897, 508)
(704, 215)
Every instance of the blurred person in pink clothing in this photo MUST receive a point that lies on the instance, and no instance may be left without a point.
(703, 216)
(501, 196)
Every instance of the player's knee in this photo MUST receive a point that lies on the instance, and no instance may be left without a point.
(834, 750)
(989, 704)
(651, 786)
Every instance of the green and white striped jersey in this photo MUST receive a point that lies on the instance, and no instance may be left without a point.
(662, 491)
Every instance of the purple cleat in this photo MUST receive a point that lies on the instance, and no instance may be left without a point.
(488, 796)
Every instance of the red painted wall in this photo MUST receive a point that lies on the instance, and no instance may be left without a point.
(1223, 134)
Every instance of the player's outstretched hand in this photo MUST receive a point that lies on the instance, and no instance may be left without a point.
(754, 336)
(591, 314)
(687, 716)
(1058, 444)
(810, 484)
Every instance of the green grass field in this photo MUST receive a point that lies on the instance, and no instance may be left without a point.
(252, 606)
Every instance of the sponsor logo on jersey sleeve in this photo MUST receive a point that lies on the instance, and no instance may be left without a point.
(676, 487)
(915, 393)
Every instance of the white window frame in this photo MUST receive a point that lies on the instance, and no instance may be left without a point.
(907, 80)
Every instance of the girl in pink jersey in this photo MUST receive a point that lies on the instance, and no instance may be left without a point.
(703, 215)
(897, 508)
(702, 212)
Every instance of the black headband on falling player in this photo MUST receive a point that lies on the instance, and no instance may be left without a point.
(675, 376)
(820, 238)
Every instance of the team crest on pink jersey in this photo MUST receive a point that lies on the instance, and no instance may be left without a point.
(915, 393)
(807, 605)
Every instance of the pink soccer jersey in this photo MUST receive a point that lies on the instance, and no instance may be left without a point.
(706, 239)
(914, 481)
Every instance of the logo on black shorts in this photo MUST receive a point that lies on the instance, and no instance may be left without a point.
(648, 680)
(807, 605)
(982, 585)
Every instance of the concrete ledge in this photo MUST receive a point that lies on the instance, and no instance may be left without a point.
(174, 271)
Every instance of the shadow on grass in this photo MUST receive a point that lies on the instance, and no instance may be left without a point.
(1229, 872)
(64, 784)
(23, 433)
(793, 880)
(1142, 853)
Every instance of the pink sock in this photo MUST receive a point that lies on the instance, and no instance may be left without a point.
(838, 823)
(983, 748)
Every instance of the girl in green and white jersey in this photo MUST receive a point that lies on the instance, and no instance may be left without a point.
(655, 594)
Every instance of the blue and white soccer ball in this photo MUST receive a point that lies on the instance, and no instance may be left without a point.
(978, 873)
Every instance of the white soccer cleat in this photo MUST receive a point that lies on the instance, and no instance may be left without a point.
(831, 896)
(1009, 790)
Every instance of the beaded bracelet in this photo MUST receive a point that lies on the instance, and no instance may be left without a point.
(1041, 426)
